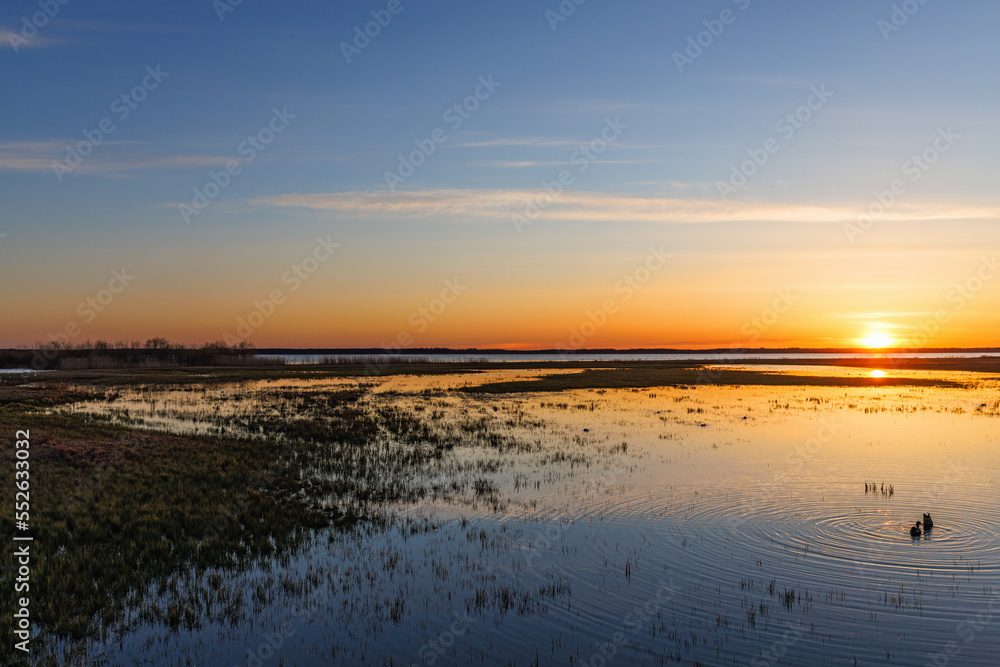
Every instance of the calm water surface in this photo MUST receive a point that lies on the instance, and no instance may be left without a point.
(720, 525)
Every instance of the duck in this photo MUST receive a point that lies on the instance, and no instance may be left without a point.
(928, 522)
(915, 530)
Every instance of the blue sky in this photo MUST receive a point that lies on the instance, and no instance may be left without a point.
(656, 184)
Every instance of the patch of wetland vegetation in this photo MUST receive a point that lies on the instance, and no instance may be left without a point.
(488, 514)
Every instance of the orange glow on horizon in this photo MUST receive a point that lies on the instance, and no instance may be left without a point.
(692, 310)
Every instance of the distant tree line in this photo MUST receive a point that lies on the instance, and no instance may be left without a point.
(154, 353)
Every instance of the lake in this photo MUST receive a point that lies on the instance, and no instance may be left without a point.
(748, 525)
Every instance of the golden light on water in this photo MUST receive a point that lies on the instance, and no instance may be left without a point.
(877, 339)
(878, 374)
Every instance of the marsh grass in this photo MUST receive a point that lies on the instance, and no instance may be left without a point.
(116, 514)
(154, 353)
(138, 528)
(125, 522)
(674, 375)
(277, 485)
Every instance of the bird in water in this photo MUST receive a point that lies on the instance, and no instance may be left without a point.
(915, 530)
(928, 522)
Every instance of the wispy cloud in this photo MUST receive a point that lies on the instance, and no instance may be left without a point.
(516, 164)
(518, 141)
(110, 158)
(543, 142)
(70, 32)
(498, 205)
(521, 164)
(29, 155)
(16, 41)
(161, 162)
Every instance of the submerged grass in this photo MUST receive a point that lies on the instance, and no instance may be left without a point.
(127, 522)
(133, 527)
(115, 513)
(138, 530)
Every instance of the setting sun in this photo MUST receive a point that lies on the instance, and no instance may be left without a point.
(877, 339)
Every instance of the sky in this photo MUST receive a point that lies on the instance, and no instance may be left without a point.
(726, 173)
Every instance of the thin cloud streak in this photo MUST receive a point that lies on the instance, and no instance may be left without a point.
(542, 142)
(518, 141)
(16, 41)
(40, 156)
(499, 205)
(514, 164)
(29, 155)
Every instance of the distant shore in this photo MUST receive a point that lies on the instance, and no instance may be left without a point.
(164, 355)
(347, 351)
